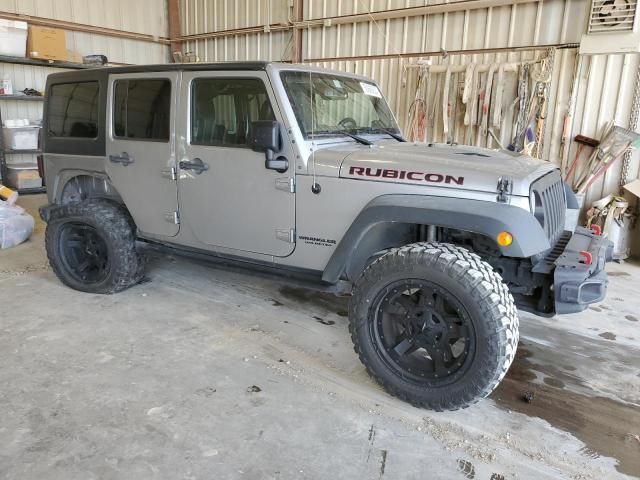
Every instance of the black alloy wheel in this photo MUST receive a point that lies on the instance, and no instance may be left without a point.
(423, 331)
(84, 253)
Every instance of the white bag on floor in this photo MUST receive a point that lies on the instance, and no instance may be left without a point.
(16, 225)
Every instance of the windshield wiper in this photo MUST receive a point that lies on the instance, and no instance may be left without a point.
(357, 138)
(397, 136)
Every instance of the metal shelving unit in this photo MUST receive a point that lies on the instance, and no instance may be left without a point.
(4, 152)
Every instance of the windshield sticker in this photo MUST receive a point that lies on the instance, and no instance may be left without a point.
(370, 90)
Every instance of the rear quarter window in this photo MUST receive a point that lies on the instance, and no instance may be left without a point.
(73, 110)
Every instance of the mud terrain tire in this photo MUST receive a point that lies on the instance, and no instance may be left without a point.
(91, 247)
(428, 275)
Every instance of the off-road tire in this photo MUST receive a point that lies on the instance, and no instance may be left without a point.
(481, 292)
(115, 227)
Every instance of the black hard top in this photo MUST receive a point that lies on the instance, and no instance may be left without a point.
(167, 67)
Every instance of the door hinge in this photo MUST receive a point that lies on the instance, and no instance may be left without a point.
(172, 217)
(288, 236)
(287, 184)
(171, 173)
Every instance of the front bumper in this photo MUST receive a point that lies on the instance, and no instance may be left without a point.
(577, 284)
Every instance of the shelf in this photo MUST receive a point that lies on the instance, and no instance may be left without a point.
(44, 63)
(32, 191)
(22, 98)
(22, 152)
(22, 166)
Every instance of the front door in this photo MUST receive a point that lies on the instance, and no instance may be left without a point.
(141, 148)
(227, 197)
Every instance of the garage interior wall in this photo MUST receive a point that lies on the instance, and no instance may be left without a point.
(357, 36)
(147, 17)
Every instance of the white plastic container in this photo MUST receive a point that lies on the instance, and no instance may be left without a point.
(20, 138)
(13, 38)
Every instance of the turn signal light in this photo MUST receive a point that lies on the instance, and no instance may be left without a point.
(504, 239)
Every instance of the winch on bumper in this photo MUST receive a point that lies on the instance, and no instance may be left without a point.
(579, 277)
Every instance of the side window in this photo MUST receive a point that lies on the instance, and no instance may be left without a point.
(73, 110)
(142, 109)
(222, 110)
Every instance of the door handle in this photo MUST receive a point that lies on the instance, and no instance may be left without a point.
(196, 165)
(124, 158)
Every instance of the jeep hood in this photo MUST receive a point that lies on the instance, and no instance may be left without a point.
(452, 166)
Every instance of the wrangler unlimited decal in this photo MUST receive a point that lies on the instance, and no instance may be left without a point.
(317, 241)
(404, 174)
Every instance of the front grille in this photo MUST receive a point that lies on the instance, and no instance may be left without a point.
(550, 204)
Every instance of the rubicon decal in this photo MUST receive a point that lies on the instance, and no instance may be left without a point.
(392, 174)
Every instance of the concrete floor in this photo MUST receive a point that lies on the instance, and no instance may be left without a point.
(158, 382)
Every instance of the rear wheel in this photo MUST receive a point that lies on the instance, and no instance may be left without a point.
(91, 247)
(434, 325)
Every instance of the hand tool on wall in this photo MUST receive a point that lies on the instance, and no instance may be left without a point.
(416, 126)
(583, 142)
(487, 100)
(445, 104)
(497, 107)
(613, 145)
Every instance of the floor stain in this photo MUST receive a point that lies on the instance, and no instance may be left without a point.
(466, 468)
(595, 309)
(619, 274)
(318, 300)
(554, 382)
(588, 452)
(383, 461)
(608, 335)
(497, 476)
(323, 321)
(275, 303)
(631, 318)
(601, 423)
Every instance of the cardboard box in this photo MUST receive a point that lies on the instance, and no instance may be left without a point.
(13, 38)
(46, 43)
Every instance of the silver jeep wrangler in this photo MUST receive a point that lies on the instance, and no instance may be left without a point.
(303, 173)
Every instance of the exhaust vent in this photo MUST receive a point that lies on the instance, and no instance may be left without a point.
(612, 16)
(613, 28)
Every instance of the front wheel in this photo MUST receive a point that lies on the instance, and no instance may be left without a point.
(434, 325)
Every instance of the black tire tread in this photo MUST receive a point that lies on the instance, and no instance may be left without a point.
(484, 285)
(118, 228)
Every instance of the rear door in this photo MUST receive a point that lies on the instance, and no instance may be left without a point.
(227, 196)
(141, 147)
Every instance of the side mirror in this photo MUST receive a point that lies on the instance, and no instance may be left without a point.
(265, 137)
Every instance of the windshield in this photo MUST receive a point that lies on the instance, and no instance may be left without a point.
(340, 104)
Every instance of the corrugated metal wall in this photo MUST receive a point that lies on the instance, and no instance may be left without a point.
(139, 16)
(204, 16)
(504, 33)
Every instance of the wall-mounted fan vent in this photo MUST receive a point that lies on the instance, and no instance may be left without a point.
(612, 16)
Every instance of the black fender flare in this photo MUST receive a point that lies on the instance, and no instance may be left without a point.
(369, 232)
